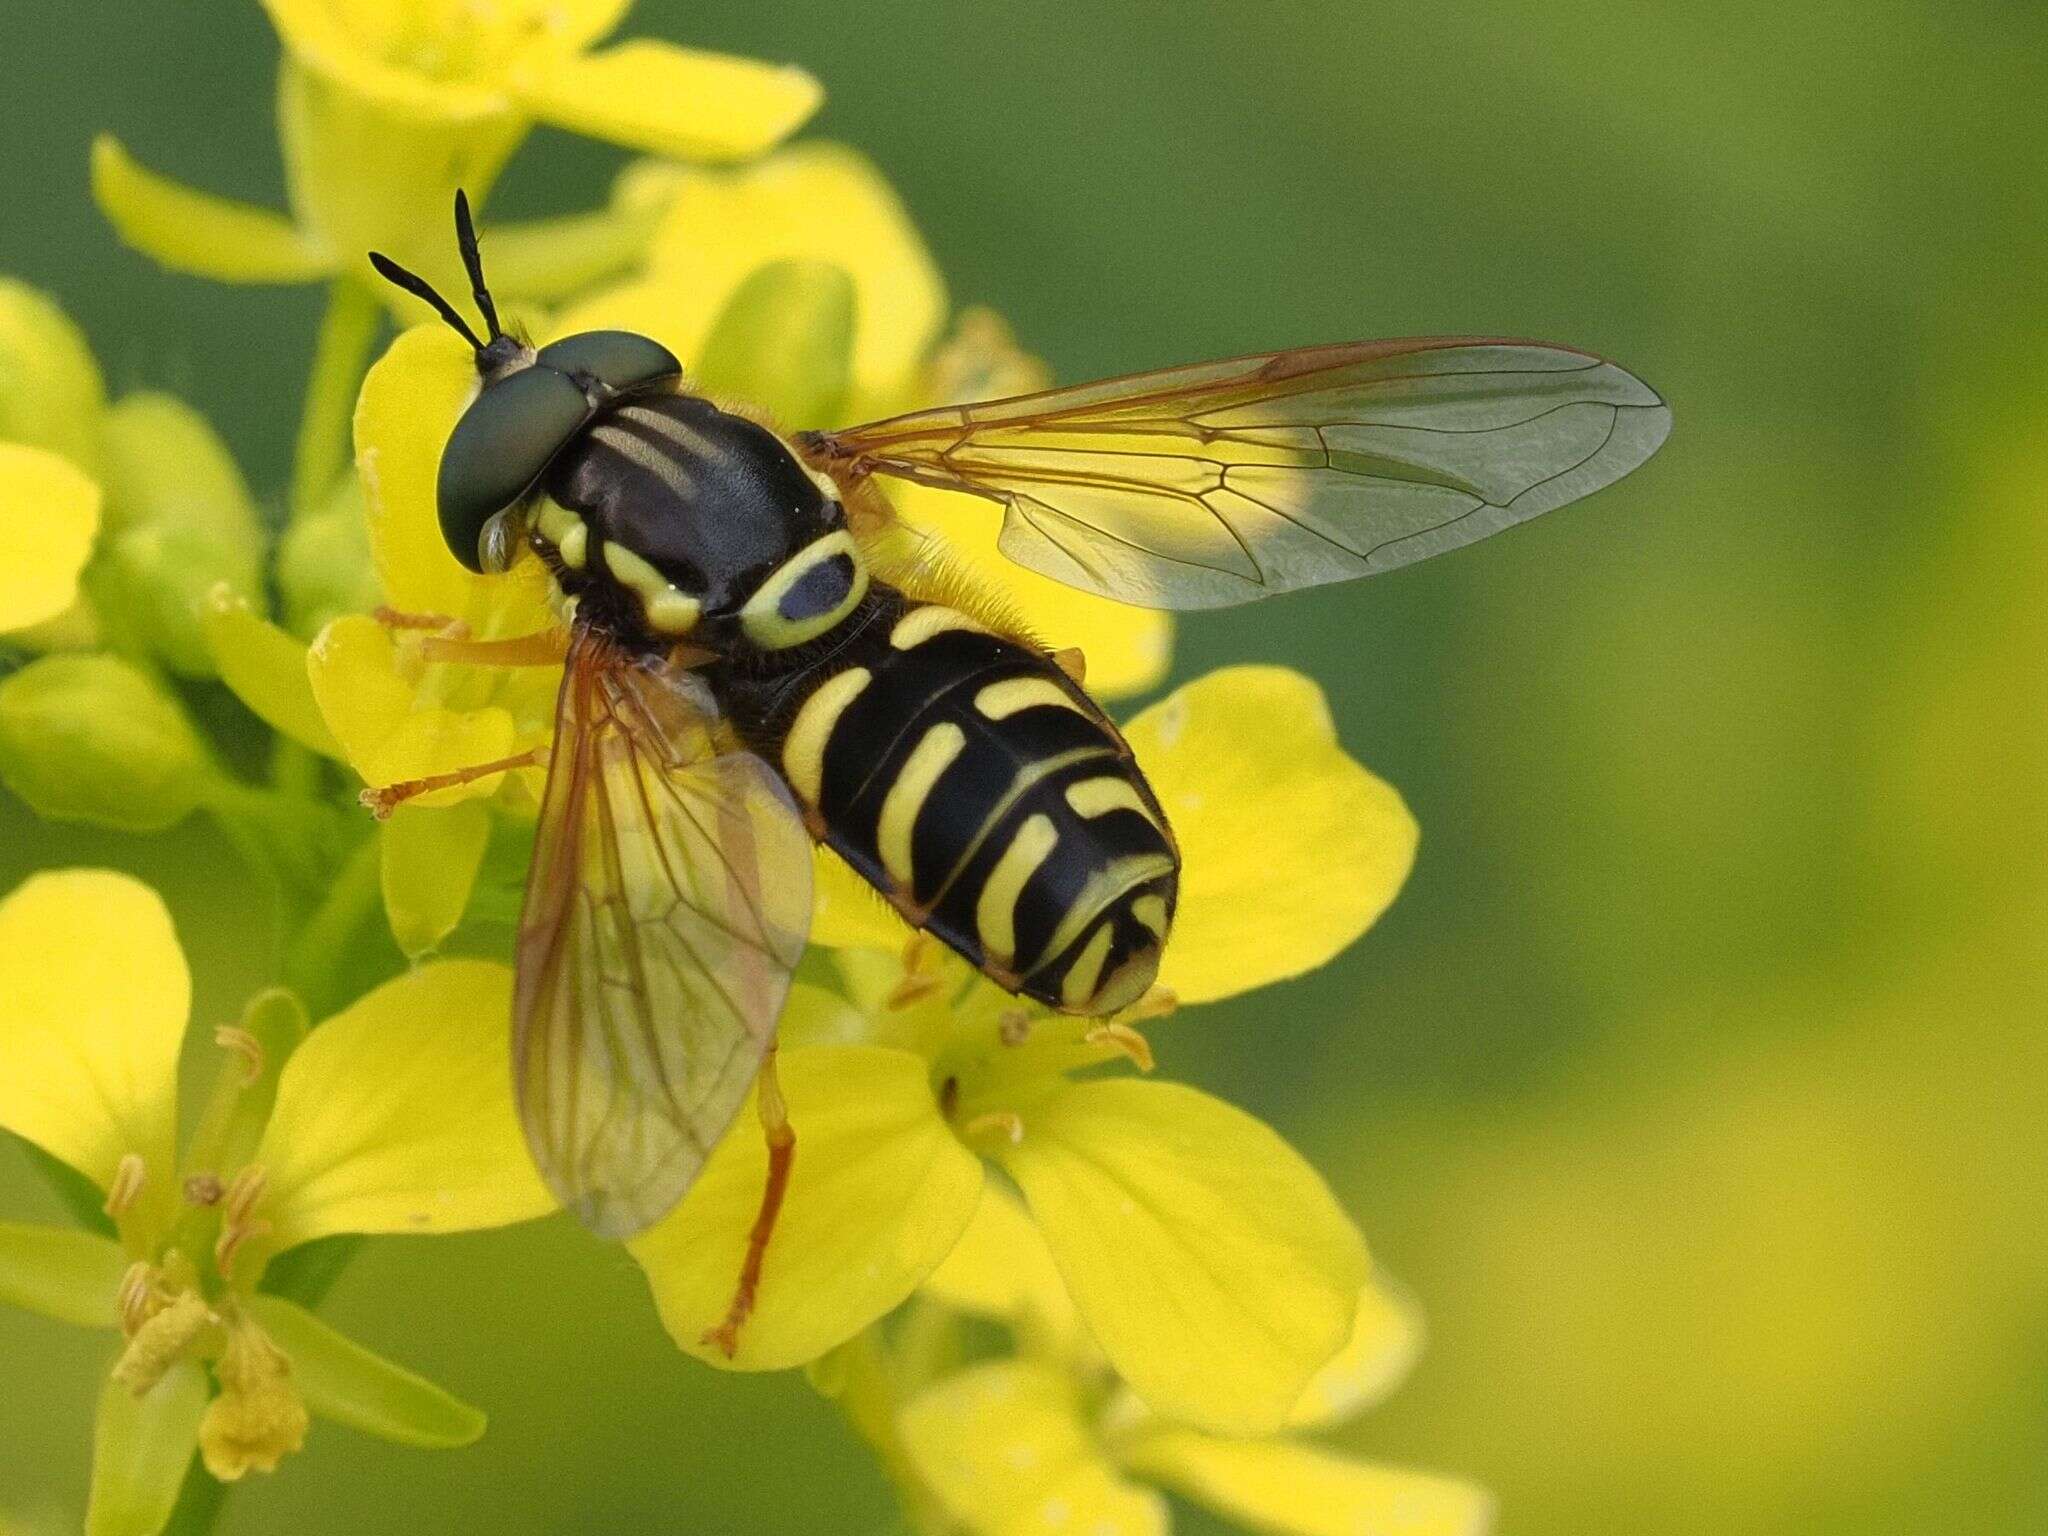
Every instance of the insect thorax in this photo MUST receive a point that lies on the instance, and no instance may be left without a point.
(669, 518)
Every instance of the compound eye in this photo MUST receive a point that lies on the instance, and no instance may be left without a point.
(622, 361)
(501, 446)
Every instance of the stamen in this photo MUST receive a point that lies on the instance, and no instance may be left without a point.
(1014, 1026)
(1125, 1039)
(130, 1174)
(1006, 1123)
(204, 1189)
(437, 623)
(1157, 1003)
(248, 1187)
(137, 1300)
(912, 989)
(237, 1041)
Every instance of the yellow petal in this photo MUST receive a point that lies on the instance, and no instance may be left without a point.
(1296, 1490)
(51, 395)
(49, 514)
(1209, 1260)
(342, 43)
(1002, 1269)
(1386, 1341)
(266, 669)
(93, 998)
(1290, 849)
(1003, 1448)
(683, 103)
(879, 1193)
(430, 860)
(1127, 649)
(409, 404)
(819, 202)
(396, 1115)
(369, 705)
(847, 912)
(196, 232)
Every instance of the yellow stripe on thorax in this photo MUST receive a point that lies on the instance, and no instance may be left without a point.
(762, 617)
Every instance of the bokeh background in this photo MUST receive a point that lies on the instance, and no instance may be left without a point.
(1698, 1082)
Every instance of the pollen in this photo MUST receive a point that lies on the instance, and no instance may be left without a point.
(163, 1339)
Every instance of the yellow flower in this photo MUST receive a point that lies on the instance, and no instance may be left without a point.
(51, 404)
(142, 491)
(387, 106)
(303, 1136)
(1209, 1262)
(1032, 1443)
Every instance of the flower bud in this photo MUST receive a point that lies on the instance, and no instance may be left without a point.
(92, 738)
(185, 525)
(50, 391)
(785, 342)
(324, 566)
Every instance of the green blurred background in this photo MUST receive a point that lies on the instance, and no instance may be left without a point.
(1697, 1081)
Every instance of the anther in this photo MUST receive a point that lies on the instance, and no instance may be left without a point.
(1157, 1003)
(136, 1299)
(237, 1041)
(1014, 1027)
(130, 1174)
(1125, 1039)
(243, 1193)
(232, 1235)
(913, 988)
(204, 1189)
(1006, 1123)
(1073, 661)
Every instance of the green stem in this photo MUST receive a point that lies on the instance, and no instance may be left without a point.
(311, 964)
(199, 1502)
(347, 332)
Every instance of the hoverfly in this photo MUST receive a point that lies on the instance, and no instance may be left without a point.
(741, 679)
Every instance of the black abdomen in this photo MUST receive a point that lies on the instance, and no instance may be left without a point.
(986, 796)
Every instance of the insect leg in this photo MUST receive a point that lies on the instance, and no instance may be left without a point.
(543, 648)
(781, 1154)
(385, 799)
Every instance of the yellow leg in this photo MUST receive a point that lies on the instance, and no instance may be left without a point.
(781, 1155)
(544, 648)
(388, 798)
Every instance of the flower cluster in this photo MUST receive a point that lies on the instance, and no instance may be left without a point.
(1179, 1294)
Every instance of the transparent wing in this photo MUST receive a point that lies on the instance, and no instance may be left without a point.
(1219, 483)
(667, 905)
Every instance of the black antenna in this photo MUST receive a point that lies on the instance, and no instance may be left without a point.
(420, 288)
(473, 259)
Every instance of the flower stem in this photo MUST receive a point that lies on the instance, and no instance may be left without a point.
(312, 963)
(199, 1502)
(347, 332)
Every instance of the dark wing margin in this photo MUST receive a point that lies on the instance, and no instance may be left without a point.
(666, 907)
(1219, 483)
